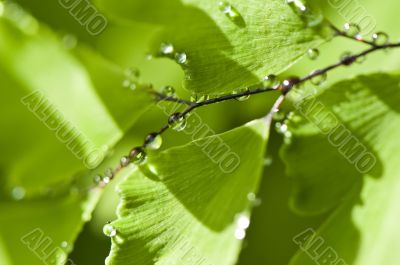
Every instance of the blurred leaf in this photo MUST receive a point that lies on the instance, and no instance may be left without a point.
(61, 118)
(225, 54)
(182, 207)
(353, 115)
(42, 232)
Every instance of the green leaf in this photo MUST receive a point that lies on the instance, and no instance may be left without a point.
(60, 118)
(182, 207)
(350, 134)
(226, 54)
(42, 231)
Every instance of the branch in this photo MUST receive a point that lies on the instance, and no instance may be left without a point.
(138, 153)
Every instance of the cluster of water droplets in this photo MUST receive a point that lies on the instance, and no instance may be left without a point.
(353, 30)
(131, 80)
(167, 49)
(281, 125)
(110, 231)
(104, 179)
(253, 199)
(242, 223)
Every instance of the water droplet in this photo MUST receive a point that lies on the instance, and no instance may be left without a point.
(361, 59)
(181, 58)
(230, 11)
(297, 5)
(320, 78)
(109, 230)
(177, 122)
(240, 234)
(18, 193)
(268, 161)
(313, 54)
(281, 128)
(242, 98)
(128, 83)
(125, 161)
(149, 56)
(380, 38)
(132, 73)
(167, 48)
(309, 17)
(278, 115)
(97, 179)
(69, 41)
(138, 155)
(270, 81)
(352, 30)
(66, 246)
(168, 91)
(109, 172)
(106, 180)
(287, 138)
(153, 169)
(243, 221)
(252, 198)
(153, 141)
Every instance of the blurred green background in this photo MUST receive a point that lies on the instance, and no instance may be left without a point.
(41, 44)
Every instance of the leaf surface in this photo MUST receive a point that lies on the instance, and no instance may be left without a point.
(183, 207)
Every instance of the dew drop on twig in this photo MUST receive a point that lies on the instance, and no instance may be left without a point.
(137, 155)
(177, 122)
(319, 78)
(153, 141)
(168, 91)
(352, 30)
(380, 38)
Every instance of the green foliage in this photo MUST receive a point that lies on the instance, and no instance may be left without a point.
(192, 203)
(182, 208)
(366, 110)
(54, 92)
(226, 54)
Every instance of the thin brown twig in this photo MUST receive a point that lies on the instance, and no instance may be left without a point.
(285, 87)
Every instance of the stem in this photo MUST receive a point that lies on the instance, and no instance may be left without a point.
(285, 87)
